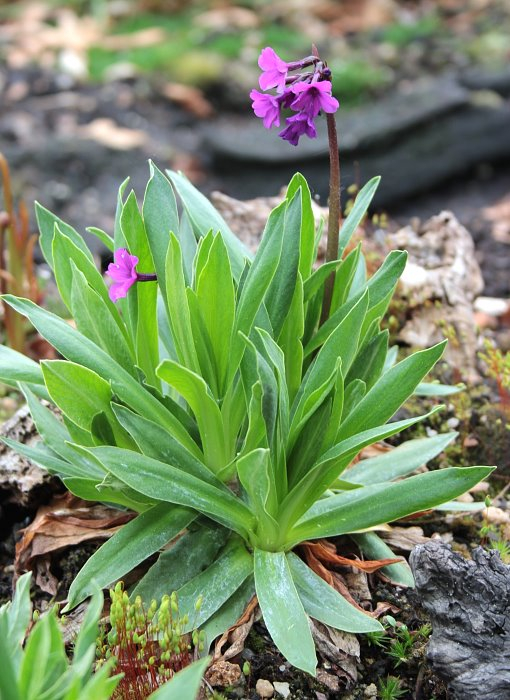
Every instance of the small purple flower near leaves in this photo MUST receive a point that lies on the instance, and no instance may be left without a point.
(312, 98)
(123, 273)
(274, 70)
(267, 107)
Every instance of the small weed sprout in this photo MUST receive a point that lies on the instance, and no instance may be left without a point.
(497, 366)
(391, 688)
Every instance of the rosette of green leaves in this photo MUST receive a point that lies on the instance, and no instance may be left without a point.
(215, 403)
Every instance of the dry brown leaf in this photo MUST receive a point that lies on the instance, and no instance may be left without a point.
(340, 648)
(236, 635)
(403, 538)
(65, 522)
(188, 97)
(110, 134)
(326, 552)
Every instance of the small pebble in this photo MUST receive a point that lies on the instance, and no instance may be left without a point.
(282, 689)
(264, 688)
(370, 691)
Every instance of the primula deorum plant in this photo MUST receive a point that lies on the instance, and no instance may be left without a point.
(38, 668)
(224, 398)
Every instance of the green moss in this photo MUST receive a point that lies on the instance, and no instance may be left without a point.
(402, 34)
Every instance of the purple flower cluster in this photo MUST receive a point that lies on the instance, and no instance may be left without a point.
(305, 93)
(123, 273)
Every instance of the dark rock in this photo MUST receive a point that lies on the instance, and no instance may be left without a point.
(477, 78)
(468, 603)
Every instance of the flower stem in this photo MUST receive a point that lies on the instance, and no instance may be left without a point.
(146, 277)
(335, 212)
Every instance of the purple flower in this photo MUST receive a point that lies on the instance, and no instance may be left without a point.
(312, 98)
(274, 70)
(267, 107)
(123, 273)
(298, 126)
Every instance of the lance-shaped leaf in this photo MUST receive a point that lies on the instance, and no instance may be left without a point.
(127, 548)
(160, 217)
(322, 602)
(282, 609)
(155, 441)
(373, 547)
(216, 584)
(382, 503)
(185, 559)
(167, 483)
(390, 392)
(216, 299)
(257, 478)
(356, 214)
(330, 465)
(79, 349)
(307, 241)
(16, 367)
(47, 222)
(257, 282)
(278, 298)
(185, 685)
(229, 613)
(398, 462)
(179, 314)
(380, 288)
(204, 217)
(195, 391)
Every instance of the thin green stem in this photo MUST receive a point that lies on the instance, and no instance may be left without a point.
(335, 212)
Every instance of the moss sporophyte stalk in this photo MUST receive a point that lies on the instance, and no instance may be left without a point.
(225, 402)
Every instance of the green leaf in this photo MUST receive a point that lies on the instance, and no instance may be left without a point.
(318, 277)
(204, 217)
(186, 558)
(436, 389)
(216, 584)
(344, 278)
(167, 483)
(94, 319)
(46, 459)
(195, 391)
(282, 610)
(47, 222)
(8, 681)
(322, 602)
(154, 441)
(368, 365)
(104, 237)
(257, 282)
(278, 298)
(179, 316)
(16, 367)
(390, 391)
(229, 613)
(327, 468)
(290, 341)
(257, 479)
(79, 392)
(127, 548)
(380, 287)
(373, 547)
(79, 349)
(398, 462)
(65, 254)
(160, 217)
(18, 615)
(382, 503)
(216, 298)
(185, 685)
(55, 436)
(89, 628)
(307, 241)
(357, 213)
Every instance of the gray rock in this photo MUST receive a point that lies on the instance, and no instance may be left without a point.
(469, 605)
